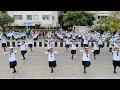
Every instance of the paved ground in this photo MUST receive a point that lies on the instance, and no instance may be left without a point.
(36, 66)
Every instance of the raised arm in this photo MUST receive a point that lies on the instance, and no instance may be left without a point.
(55, 52)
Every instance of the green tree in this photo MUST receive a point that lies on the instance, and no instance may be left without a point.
(112, 23)
(70, 18)
(5, 20)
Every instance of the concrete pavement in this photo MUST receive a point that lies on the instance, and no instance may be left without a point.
(36, 66)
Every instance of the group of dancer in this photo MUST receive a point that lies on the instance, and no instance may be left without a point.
(98, 43)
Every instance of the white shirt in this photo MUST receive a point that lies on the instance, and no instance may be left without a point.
(51, 56)
(62, 36)
(115, 56)
(49, 45)
(85, 41)
(116, 45)
(73, 36)
(22, 47)
(30, 41)
(112, 40)
(73, 47)
(89, 36)
(96, 47)
(86, 56)
(67, 41)
(35, 36)
(16, 36)
(12, 57)
(100, 42)
(79, 35)
(4, 40)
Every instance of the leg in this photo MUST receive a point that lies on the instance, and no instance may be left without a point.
(14, 70)
(94, 56)
(4, 49)
(72, 56)
(23, 56)
(51, 69)
(31, 49)
(66, 49)
(114, 69)
(84, 69)
(110, 49)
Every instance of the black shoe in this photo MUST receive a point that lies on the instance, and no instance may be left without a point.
(114, 71)
(24, 58)
(14, 72)
(51, 71)
(95, 58)
(84, 71)
(72, 58)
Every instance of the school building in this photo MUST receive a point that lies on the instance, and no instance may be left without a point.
(33, 19)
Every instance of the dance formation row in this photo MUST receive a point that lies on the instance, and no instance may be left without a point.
(86, 62)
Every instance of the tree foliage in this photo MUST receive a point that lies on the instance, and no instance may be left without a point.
(5, 20)
(112, 23)
(70, 18)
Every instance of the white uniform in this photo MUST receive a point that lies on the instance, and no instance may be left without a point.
(49, 45)
(68, 41)
(116, 56)
(116, 45)
(96, 47)
(73, 47)
(51, 56)
(112, 41)
(100, 42)
(12, 57)
(86, 56)
(4, 40)
(85, 41)
(73, 37)
(30, 41)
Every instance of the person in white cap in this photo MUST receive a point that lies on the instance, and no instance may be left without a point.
(116, 58)
(51, 58)
(86, 57)
(73, 48)
(23, 49)
(12, 58)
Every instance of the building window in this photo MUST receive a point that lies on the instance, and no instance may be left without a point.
(53, 17)
(29, 17)
(45, 17)
(35, 17)
(18, 17)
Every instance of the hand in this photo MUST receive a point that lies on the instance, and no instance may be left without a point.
(15, 51)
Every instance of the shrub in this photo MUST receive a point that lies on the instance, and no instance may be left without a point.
(99, 29)
(107, 39)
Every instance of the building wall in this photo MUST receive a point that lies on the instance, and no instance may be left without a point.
(40, 21)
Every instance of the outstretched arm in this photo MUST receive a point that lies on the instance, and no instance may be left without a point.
(6, 52)
(81, 50)
(46, 52)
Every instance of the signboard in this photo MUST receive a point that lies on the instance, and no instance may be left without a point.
(80, 29)
(27, 24)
